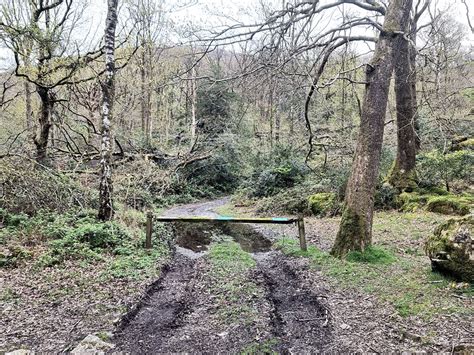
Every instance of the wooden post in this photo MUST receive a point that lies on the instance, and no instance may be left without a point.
(302, 234)
(149, 228)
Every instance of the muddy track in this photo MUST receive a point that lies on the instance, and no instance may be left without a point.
(300, 320)
(162, 309)
(177, 313)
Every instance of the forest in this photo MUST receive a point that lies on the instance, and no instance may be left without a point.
(250, 177)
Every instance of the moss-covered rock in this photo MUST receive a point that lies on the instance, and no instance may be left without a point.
(450, 204)
(435, 200)
(323, 204)
(411, 201)
(450, 248)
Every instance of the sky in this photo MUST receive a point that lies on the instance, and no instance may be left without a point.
(208, 13)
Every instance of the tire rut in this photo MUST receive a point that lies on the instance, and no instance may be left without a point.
(299, 319)
(160, 312)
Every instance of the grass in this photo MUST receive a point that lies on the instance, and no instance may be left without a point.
(262, 347)
(234, 290)
(229, 210)
(139, 264)
(400, 280)
(373, 254)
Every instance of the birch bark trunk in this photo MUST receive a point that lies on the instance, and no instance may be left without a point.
(108, 86)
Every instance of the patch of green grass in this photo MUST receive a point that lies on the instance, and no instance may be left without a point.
(406, 282)
(262, 347)
(228, 210)
(234, 290)
(135, 266)
(373, 255)
(230, 258)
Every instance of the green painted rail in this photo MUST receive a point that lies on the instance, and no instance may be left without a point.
(275, 220)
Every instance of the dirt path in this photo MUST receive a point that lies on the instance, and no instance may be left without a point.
(180, 313)
(203, 209)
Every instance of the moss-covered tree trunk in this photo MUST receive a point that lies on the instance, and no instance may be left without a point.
(402, 175)
(355, 230)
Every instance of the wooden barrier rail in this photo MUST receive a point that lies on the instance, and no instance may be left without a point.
(225, 219)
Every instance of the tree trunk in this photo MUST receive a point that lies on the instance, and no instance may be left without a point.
(29, 118)
(277, 124)
(412, 57)
(145, 102)
(143, 79)
(108, 86)
(403, 175)
(193, 106)
(355, 230)
(42, 136)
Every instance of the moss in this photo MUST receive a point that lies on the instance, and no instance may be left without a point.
(411, 201)
(450, 204)
(435, 200)
(323, 204)
(402, 180)
(450, 248)
(351, 235)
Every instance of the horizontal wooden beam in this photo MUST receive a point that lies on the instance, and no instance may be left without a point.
(275, 220)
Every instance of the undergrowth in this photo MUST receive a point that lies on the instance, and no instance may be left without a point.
(49, 239)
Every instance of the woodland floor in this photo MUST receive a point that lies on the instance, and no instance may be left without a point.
(206, 302)
(247, 289)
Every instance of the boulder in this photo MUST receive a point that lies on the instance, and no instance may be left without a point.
(450, 248)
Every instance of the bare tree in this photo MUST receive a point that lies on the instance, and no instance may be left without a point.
(148, 17)
(39, 33)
